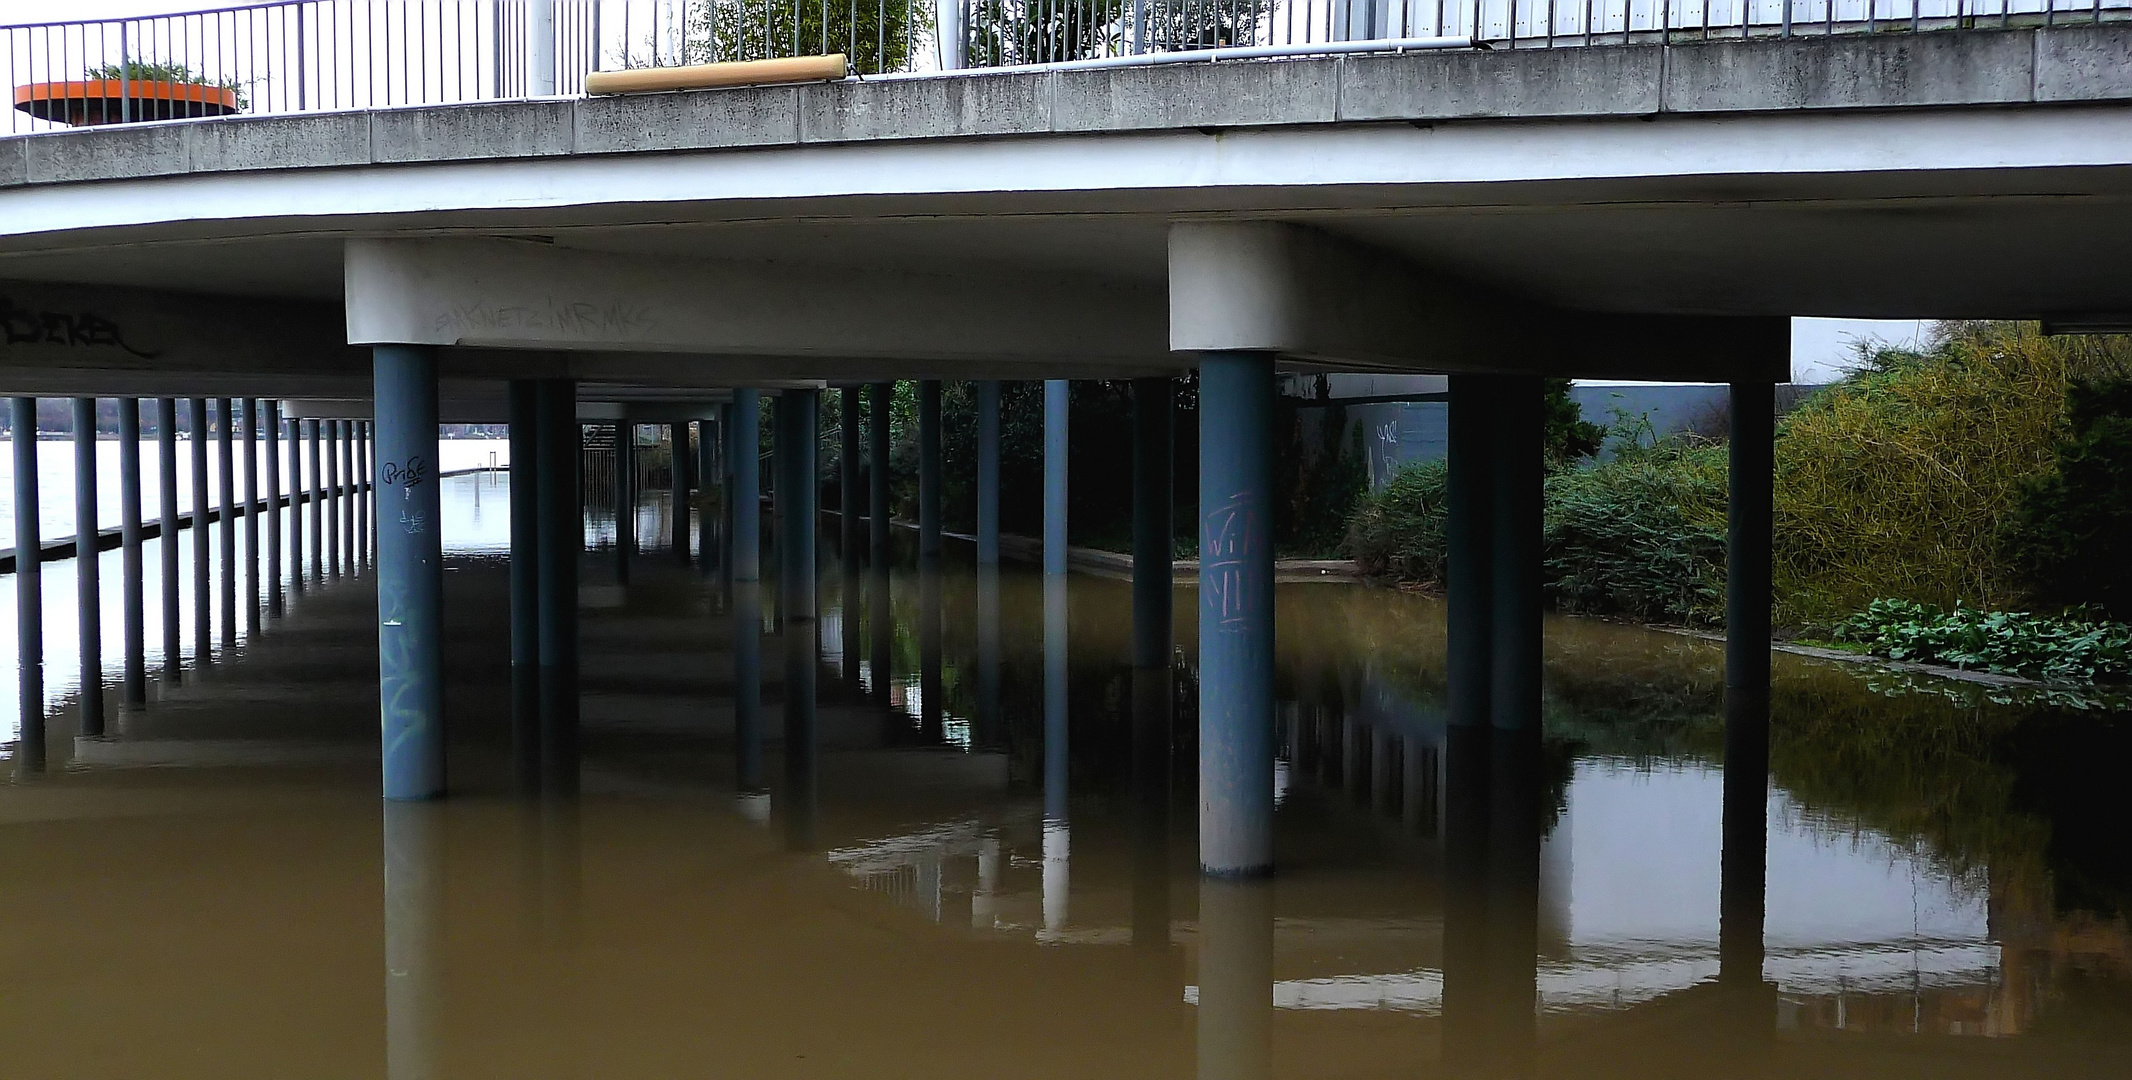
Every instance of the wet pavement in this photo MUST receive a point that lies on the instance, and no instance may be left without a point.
(216, 890)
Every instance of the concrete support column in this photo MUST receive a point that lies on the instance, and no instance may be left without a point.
(929, 481)
(1236, 392)
(226, 526)
(135, 685)
(344, 474)
(336, 498)
(166, 467)
(1057, 399)
(1520, 474)
(29, 588)
(318, 501)
(88, 595)
(203, 630)
(270, 422)
(1749, 525)
(848, 485)
(988, 473)
(798, 418)
(677, 473)
(1153, 405)
(248, 410)
(562, 537)
(525, 583)
(746, 438)
(1470, 529)
(625, 498)
(294, 430)
(410, 575)
(880, 402)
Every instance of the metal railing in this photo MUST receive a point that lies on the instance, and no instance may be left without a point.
(288, 56)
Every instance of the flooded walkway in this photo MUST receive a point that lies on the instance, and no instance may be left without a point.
(214, 890)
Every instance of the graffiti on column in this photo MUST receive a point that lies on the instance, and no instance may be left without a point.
(407, 476)
(1227, 546)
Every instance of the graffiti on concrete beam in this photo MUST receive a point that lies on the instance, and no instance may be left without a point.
(73, 329)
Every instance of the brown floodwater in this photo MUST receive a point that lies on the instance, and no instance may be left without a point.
(215, 890)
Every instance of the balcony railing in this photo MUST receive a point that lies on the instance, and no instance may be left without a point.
(289, 56)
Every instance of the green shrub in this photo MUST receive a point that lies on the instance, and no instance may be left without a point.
(1642, 535)
(1398, 531)
(2072, 536)
(2010, 643)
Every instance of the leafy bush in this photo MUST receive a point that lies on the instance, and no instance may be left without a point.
(2011, 643)
(1398, 531)
(2072, 537)
(1642, 535)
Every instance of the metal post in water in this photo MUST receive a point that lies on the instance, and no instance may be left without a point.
(271, 422)
(248, 409)
(1057, 409)
(988, 472)
(625, 498)
(410, 575)
(562, 538)
(88, 594)
(797, 488)
(226, 532)
(344, 466)
(1236, 392)
(1749, 525)
(929, 482)
(880, 403)
(1520, 475)
(1154, 405)
(329, 470)
(135, 686)
(166, 467)
(848, 483)
(677, 473)
(203, 630)
(318, 501)
(29, 589)
(525, 582)
(747, 485)
(296, 505)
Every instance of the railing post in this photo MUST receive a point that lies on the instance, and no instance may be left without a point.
(540, 48)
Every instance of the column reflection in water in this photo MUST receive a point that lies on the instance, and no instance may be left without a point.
(1151, 808)
(1235, 979)
(1513, 897)
(1743, 875)
(848, 622)
(880, 629)
(1057, 831)
(412, 891)
(931, 681)
(754, 794)
(800, 734)
(1465, 1014)
(988, 725)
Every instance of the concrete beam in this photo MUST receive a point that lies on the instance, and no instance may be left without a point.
(1314, 298)
(56, 337)
(506, 294)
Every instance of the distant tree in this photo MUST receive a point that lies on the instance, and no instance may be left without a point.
(876, 35)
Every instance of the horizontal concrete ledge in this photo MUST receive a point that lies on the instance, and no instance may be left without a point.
(1940, 69)
(151, 528)
(1114, 564)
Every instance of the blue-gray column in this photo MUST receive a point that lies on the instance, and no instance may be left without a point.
(747, 485)
(1520, 474)
(318, 501)
(88, 596)
(336, 503)
(798, 416)
(1057, 732)
(562, 539)
(226, 526)
(1236, 613)
(1749, 523)
(135, 685)
(1235, 1012)
(413, 896)
(248, 413)
(677, 475)
(988, 472)
(1470, 527)
(525, 583)
(166, 467)
(410, 574)
(880, 403)
(1153, 527)
(29, 588)
(1057, 401)
(270, 422)
(929, 482)
(345, 466)
(203, 630)
(295, 433)
(848, 485)
(625, 498)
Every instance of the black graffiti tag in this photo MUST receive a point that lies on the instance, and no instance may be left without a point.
(78, 329)
(411, 474)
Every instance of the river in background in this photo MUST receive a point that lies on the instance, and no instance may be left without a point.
(1947, 874)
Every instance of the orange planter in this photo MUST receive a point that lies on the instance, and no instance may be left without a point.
(112, 101)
